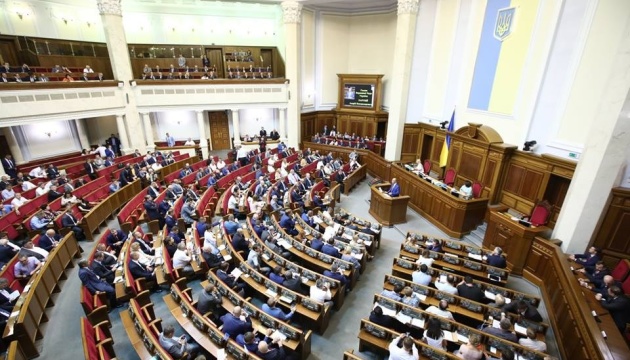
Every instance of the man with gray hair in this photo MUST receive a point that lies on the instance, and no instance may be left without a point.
(504, 331)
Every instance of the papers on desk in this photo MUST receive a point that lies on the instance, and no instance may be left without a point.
(419, 323)
(474, 256)
(405, 319)
(277, 336)
(451, 255)
(420, 296)
(450, 336)
(493, 350)
(317, 219)
(236, 273)
(336, 227)
(357, 256)
(367, 242)
(428, 243)
(227, 257)
(118, 279)
(271, 293)
(462, 338)
(285, 244)
(266, 257)
(520, 330)
(304, 280)
(221, 355)
(496, 324)
(347, 236)
(490, 295)
(386, 311)
(221, 247)
(286, 299)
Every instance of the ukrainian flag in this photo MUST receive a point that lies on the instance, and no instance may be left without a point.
(505, 40)
(447, 142)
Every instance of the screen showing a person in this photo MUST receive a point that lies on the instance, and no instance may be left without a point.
(358, 95)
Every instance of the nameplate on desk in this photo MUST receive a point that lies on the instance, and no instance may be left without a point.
(271, 293)
(525, 223)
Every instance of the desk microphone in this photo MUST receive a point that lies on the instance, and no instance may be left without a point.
(596, 316)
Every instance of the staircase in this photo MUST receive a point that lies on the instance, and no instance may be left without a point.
(477, 235)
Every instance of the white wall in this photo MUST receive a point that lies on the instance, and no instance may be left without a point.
(250, 120)
(308, 60)
(213, 22)
(358, 44)
(100, 128)
(180, 124)
(49, 138)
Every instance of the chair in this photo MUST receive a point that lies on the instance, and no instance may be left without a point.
(625, 286)
(427, 166)
(620, 272)
(540, 214)
(477, 187)
(449, 177)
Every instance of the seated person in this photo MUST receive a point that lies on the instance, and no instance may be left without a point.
(336, 273)
(229, 279)
(497, 258)
(26, 266)
(618, 305)
(525, 310)
(103, 271)
(31, 250)
(95, 285)
(588, 259)
(470, 350)
(421, 275)
(448, 286)
(466, 189)
(177, 346)
(329, 249)
(288, 224)
(441, 310)
(271, 309)
(138, 270)
(503, 331)
(531, 342)
(320, 291)
(276, 275)
(390, 322)
(394, 294)
(239, 243)
(236, 323)
(595, 276)
(467, 288)
(210, 300)
(115, 240)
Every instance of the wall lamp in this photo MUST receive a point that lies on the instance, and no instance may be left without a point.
(529, 145)
(133, 83)
(443, 125)
(121, 84)
(22, 13)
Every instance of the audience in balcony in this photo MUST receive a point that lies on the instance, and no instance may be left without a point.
(68, 78)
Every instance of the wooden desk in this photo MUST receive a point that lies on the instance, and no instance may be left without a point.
(453, 215)
(385, 209)
(515, 239)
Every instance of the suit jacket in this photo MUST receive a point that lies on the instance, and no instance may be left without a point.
(619, 309)
(331, 250)
(52, 173)
(90, 168)
(530, 314)
(91, 281)
(46, 243)
(6, 253)
(226, 278)
(139, 271)
(152, 210)
(111, 238)
(153, 192)
(103, 271)
(235, 326)
(68, 220)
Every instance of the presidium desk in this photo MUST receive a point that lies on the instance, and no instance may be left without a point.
(454, 215)
(385, 209)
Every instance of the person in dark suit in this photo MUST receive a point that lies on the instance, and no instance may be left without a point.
(49, 240)
(336, 274)
(52, 172)
(53, 194)
(115, 240)
(239, 243)
(394, 189)
(104, 272)
(588, 259)
(287, 223)
(467, 288)
(293, 283)
(9, 166)
(7, 252)
(115, 143)
(274, 135)
(317, 242)
(151, 207)
(496, 258)
(90, 169)
(522, 308)
(95, 284)
(377, 317)
(126, 176)
(69, 221)
(229, 279)
(329, 249)
(236, 323)
(296, 199)
(154, 190)
(138, 271)
(618, 305)
(263, 132)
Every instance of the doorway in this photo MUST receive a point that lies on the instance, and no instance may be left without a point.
(215, 55)
(219, 130)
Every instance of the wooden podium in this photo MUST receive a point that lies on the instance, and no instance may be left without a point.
(514, 238)
(385, 209)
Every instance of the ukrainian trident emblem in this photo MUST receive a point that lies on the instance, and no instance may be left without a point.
(505, 23)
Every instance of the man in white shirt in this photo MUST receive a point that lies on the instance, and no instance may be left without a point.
(100, 150)
(466, 189)
(33, 250)
(421, 276)
(293, 177)
(320, 291)
(18, 200)
(8, 193)
(448, 285)
(181, 259)
(253, 259)
(425, 258)
(189, 142)
(531, 342)
(26, 185)
(408, 351)
(441, 310)
(88, 70)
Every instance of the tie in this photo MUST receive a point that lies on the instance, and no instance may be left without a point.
(72, 218)
(10, 164)
(141, 267)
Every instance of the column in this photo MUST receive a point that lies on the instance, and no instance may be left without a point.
(605, 151)
(203, 140)
(83, 138)
(14, 146)
(122, 133)
(148, 131)
(236, 127)
(401, 72)
(282, 116)
(292, 14)
(111, 17)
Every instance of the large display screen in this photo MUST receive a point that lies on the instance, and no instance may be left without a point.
(358, 95)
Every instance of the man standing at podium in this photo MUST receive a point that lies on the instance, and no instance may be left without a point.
(394, 189)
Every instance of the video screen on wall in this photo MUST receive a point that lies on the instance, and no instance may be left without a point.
(358, 95)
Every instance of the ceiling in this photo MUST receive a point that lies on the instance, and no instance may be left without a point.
(334, 5)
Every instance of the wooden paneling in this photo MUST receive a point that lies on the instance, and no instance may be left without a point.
(612, 233)
(346, 121)
(470, 165)
(578, 334)
(219, 130)
(98, 64)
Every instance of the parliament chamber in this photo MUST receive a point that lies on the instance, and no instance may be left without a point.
(502, 125)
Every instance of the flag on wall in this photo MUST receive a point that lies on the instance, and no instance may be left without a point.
(447, 142)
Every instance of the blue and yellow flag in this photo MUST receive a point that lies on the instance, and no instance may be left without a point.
(447, 141)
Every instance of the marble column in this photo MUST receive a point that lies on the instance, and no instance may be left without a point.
(604, 155)
(282, 124)
(122, 133)
(401, 72)
(236, 128)
(203, 139)
(16, 152)
(83, 138)
(148, 131)
(292, 15)
(111, 17)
